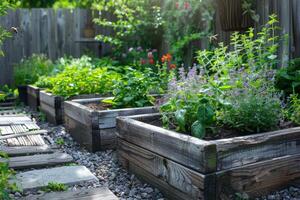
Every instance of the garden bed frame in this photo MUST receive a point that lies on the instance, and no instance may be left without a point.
(184, 167)
(33, 97)
(94, 129)
(53, 106)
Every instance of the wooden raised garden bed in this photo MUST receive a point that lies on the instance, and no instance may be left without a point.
(52, 106)
(185, 167)
(33, 97)
(92, 128)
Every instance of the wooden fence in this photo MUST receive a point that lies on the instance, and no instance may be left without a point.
(56, 33)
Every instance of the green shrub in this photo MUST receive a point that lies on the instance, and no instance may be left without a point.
(29, 70)
(288, 78)
(252, 112)
(75, 81)
(133, 90)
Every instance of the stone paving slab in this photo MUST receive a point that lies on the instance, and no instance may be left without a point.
(69, 175)
(102, 193)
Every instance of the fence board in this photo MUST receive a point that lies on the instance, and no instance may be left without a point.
(47, 31)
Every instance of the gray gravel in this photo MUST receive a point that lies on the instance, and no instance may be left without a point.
(291, 193)
(104, 165)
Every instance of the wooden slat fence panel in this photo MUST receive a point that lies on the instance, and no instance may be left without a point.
(47, 31)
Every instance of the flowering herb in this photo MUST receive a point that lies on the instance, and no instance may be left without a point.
(229, 89)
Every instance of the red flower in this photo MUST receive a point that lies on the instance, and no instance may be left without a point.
(166, 58)
(172, 66)
(186, 5)
(177, 5)
(151, 61)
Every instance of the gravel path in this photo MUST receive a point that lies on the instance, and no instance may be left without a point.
(105, 166)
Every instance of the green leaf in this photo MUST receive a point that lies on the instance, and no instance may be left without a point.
(198, 129)
(180, 118)
(205, 114)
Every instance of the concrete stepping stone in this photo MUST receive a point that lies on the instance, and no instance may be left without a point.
(37, 161)
(69, 175)
(102, 193)
(26, 150)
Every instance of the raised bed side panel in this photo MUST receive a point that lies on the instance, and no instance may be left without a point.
(259, 178)
(52, 107)
(239, 151)
(173, 179)
(33, 97)
(82, 123)
(22, 89)
(191, 152)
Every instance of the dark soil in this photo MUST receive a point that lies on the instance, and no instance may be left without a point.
(99, 106)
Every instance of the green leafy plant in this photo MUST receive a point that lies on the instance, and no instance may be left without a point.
(7, 92)
(133, 90)
(5, 175)
(134, 23)
(294, 109)
(60, 141)
(252, 112)
(229, 89)
(192, 20)
(288, 78)
(55, 187)
(75, 81)
(29, 70)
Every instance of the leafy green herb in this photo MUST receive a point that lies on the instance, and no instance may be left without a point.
(55, 187)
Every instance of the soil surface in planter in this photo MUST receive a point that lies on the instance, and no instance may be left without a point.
(101, 106)
(222, 132)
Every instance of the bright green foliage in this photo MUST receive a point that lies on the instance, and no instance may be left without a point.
(288, 78)
(5, 175)
(75, 81)
(133, 90)
(6, 92)
(55, 187)
(29, 70)
(54, 3)
(136, 22)
(60, 141)
(294, 109)
(185, 21)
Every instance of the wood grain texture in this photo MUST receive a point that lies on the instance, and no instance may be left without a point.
(189, 151)
(36, 161)
(238, 151)
(193, 184)
(259, 178)
(52, 106)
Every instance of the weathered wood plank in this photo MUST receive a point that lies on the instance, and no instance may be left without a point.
(33, 97)
(37, 132)
(190, 182)
(259, 178)
(189, 151)
(102, 193)
(36, 161)
(27, 150)
(234, 152)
